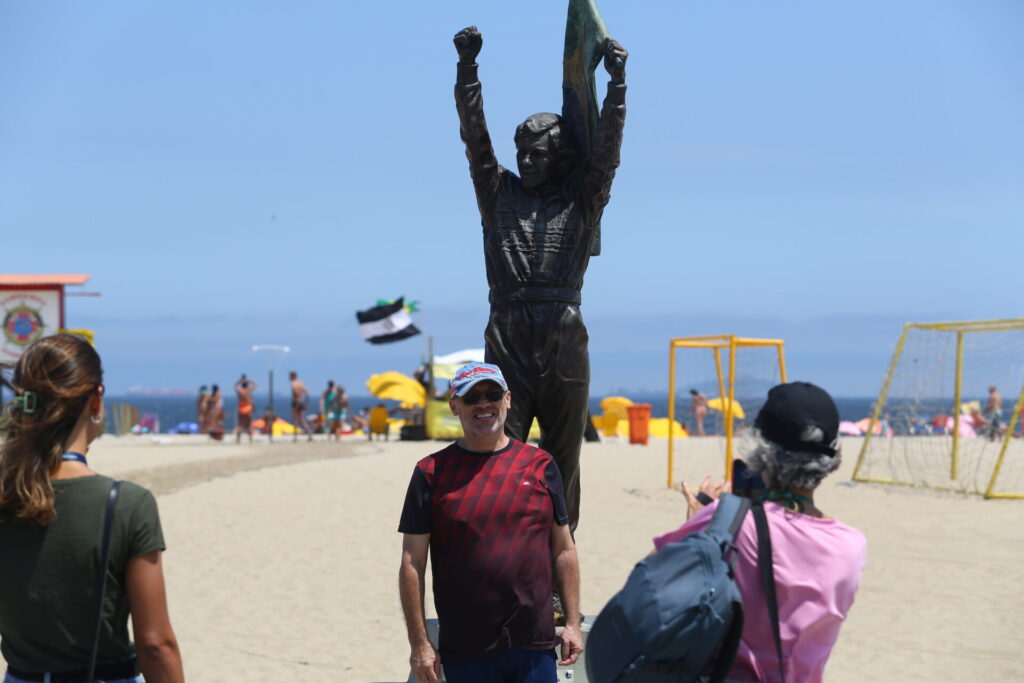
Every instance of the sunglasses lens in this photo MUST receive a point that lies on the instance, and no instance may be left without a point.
(491, 396)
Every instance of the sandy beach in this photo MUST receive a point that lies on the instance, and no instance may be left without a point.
(282, 558)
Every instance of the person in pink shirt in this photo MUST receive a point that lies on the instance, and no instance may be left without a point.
(817, 560)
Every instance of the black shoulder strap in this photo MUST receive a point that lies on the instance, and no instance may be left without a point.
(101, 581)
(764, 565)
(728, 516)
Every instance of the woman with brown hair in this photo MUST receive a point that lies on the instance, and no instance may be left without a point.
(52, 513)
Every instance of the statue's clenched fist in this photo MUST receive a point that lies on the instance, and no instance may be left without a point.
(468, 42)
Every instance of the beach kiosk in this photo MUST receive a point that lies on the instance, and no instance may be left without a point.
(32, 306)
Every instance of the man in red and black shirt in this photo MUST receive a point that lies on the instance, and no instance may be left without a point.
(491, 512)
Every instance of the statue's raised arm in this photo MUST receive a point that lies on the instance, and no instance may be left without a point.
(483, 165)
(604, 156)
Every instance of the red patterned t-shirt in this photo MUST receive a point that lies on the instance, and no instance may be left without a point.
(489, 516)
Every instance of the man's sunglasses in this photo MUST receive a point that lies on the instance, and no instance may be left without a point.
(476, 397)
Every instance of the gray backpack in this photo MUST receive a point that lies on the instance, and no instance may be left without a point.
(679, 609)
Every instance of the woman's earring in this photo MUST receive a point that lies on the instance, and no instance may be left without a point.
(96, 419)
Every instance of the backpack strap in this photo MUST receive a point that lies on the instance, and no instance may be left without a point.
(728, 516)
(764, 565)
(101, 582)
(724, 525)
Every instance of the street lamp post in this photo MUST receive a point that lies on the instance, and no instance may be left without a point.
(271, 349)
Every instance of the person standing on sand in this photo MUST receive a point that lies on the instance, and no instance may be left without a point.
(491, 513)
(994, 412)
(215, 413)
(300, 404)
(329, 409)
(244, 389)
(699, 408)
(52, 507)
(343, 408)
(818, 560)
(202, 406)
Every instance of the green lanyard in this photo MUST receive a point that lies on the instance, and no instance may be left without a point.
(788, 499)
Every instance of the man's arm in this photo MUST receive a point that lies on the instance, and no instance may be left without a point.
(567, 582)
(483, 165)
(604, 156)
(426, 665)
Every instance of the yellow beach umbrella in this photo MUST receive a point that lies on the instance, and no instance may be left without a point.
(616, 405)
(398, 387)
(968, 407)
(279, 428)
(658, 426)
(719, 404)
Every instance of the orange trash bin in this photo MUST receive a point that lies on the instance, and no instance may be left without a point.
(639, 419)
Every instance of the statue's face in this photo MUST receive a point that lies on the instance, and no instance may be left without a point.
(535, 157)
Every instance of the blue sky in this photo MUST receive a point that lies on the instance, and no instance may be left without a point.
(236, 173)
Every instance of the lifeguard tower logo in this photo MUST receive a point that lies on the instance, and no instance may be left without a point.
(27, 316)
(23, 325)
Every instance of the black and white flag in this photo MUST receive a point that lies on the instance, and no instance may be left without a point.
(387, 323)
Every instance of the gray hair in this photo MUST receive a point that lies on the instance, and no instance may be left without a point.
(783, 469)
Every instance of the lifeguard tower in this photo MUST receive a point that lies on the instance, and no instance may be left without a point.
(32, 306)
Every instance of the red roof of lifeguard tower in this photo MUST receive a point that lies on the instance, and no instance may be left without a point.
(44, 279)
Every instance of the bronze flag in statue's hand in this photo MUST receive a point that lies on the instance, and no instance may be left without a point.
(585, 37)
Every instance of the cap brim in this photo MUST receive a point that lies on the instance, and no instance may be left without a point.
(467, 387)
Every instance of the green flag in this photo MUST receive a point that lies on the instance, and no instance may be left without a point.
(585, 36)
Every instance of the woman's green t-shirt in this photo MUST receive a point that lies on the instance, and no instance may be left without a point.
(48, 575)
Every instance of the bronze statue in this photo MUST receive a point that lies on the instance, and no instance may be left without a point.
(539, 229)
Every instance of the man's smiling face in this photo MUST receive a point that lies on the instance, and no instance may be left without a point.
(483, 409)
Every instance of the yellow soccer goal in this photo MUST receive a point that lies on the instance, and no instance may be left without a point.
(729, 375)
(947, 414)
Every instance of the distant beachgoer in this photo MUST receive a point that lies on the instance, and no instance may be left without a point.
(343, 408)
(994, 412)
(244, 388)
(885, 426)
(495, 556)
(300, 404)
(202, 407)
(52, 507)
(215, 413)
(329, 409)
(699, 408)
(818, 560)
(269, 418)
(361, 420)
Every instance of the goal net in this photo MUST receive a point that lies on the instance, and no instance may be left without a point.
(731, 377)
(935, 423)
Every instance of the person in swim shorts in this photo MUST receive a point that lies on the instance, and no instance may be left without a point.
(244, 388)
(300, 403)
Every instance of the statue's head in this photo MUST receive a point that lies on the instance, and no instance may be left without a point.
(544, 151)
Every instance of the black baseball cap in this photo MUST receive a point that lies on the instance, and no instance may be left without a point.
(791, 409)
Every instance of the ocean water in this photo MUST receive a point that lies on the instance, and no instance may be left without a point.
(173, 410)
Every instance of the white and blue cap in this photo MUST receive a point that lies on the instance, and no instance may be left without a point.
(471, 374)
